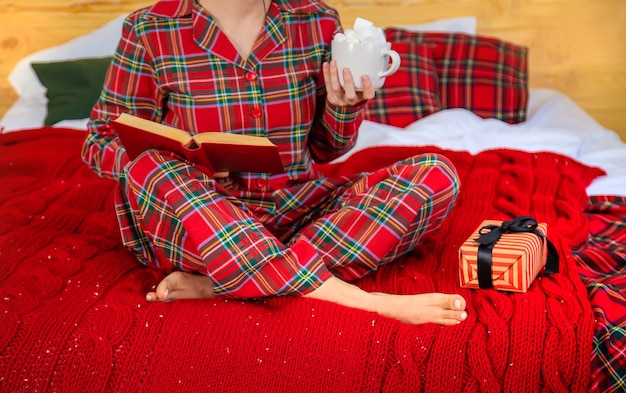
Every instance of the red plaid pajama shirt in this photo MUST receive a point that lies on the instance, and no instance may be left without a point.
(254, 235)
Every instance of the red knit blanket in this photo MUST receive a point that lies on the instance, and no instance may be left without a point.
(73, 316)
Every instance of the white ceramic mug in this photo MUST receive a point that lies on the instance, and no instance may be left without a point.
(365, 58)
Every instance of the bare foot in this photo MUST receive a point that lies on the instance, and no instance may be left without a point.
(439, 308)
(181, 285)
(414, 309)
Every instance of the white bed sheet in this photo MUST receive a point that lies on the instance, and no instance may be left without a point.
(555, 124)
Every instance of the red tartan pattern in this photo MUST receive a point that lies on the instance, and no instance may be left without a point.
(485, 75)
(411, 93)
(188, 221)
(173, 65)
(602, 266)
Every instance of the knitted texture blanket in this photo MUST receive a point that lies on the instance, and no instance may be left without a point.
(73, 317)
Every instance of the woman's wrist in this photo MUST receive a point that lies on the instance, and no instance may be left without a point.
(348, 111)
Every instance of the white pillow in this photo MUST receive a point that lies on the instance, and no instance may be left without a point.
(98, 43)
(29, 111)
(24, 114)
(465, 25)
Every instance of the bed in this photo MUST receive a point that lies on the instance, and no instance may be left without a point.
(73, 317)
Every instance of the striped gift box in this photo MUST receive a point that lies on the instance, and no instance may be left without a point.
(517, 258)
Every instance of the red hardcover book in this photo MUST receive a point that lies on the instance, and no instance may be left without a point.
(219, 151)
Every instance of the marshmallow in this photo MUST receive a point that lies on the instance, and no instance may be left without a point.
(363, 31)
(361, 24)
(340, 37)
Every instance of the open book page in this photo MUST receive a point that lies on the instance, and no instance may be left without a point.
(215, 150)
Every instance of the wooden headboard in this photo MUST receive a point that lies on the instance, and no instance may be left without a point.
(576, 46)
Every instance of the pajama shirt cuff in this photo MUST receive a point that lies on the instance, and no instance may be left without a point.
(345, 114)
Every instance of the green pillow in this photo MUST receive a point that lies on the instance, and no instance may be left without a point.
(73, 86)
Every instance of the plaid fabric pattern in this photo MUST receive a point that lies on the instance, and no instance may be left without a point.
(255, 235)
(602, 265)
(188, 221)
(173, 65)
(409, 94)
(485, 75)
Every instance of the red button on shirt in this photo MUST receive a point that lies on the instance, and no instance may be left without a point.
(260, 183)
(251, 76)
(256, 112)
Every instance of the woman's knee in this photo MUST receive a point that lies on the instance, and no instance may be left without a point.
(142, 169)
(435, 171)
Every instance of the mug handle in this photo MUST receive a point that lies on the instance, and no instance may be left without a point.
(395, 62)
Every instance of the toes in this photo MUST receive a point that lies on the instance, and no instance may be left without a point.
(162, 290)
(460, 317)
(151, 296)
(451, 318)
(454, 312)
(154, 296)
(456, 302)
(449, 322)
(180, 285)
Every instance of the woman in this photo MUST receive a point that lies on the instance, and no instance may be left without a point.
(260, 68)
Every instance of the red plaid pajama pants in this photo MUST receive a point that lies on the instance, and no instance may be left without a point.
(173, 216)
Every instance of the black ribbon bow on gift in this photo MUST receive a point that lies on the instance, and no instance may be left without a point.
(489, 236)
